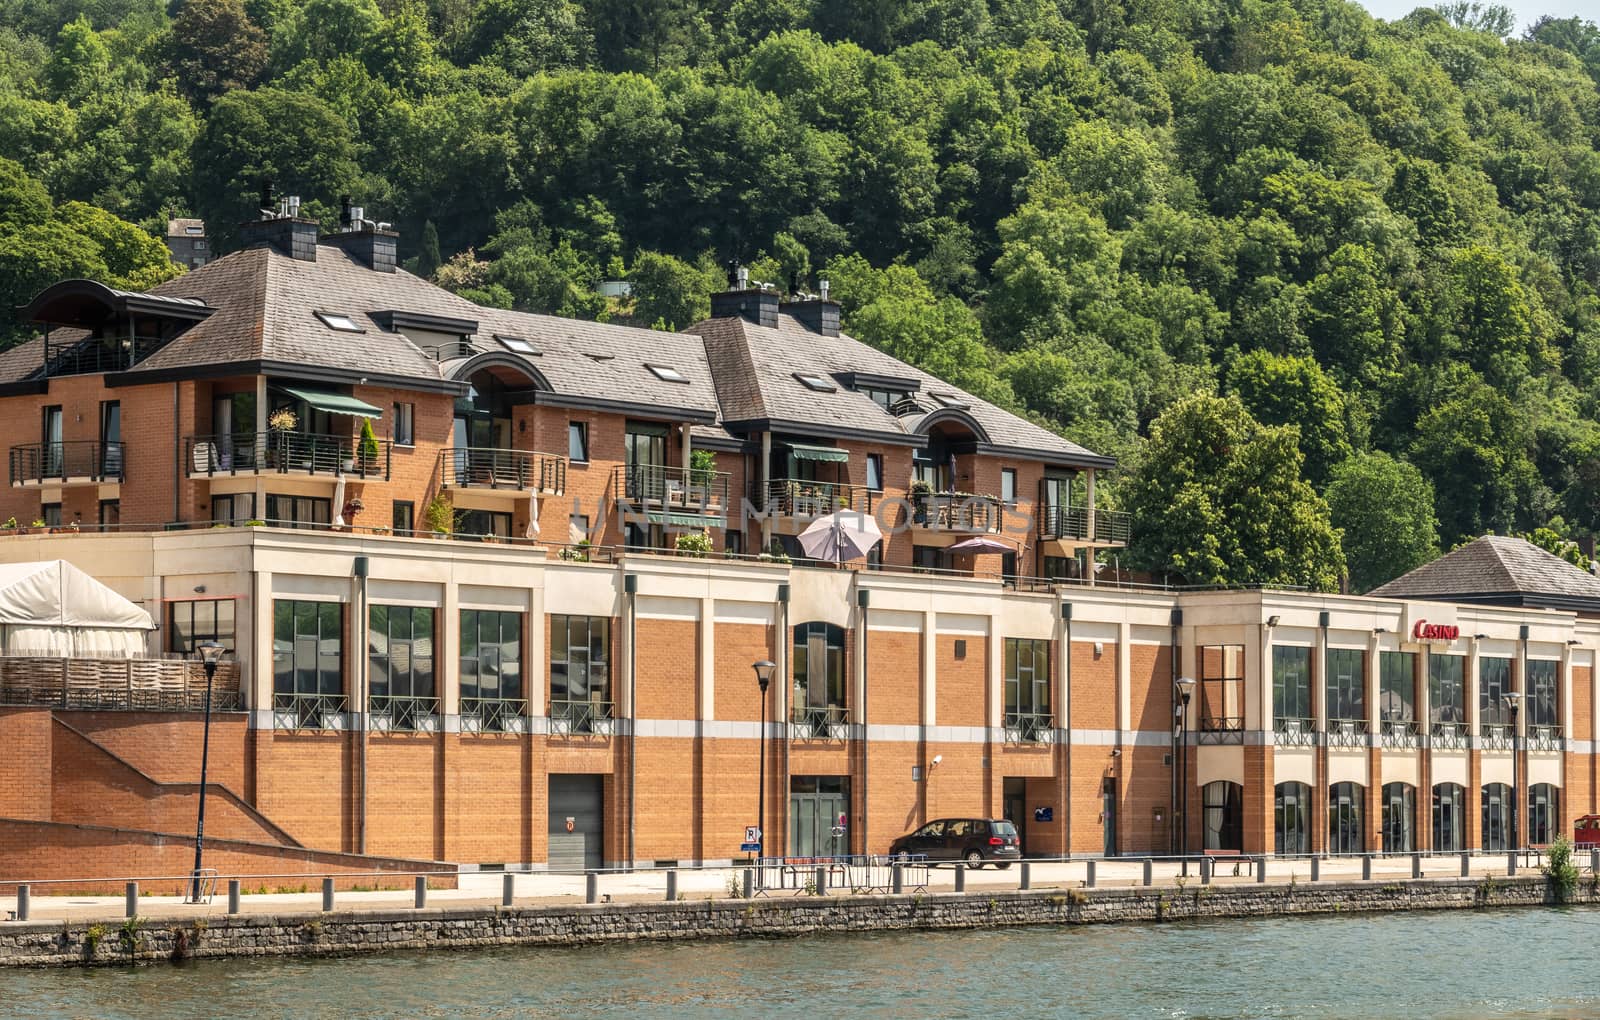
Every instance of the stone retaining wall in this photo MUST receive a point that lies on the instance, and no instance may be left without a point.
(343, 932)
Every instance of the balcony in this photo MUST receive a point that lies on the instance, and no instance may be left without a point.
(494, 715)
(1220, 729)
(66, 464)
(1448, 736)
(313, 712)
(677, 495)
(95, 355)
(1404, 734)
(1072, 523)
(389, 714)
(818, 722)
(958, 513)
(1545, 738)
(802, 497)
(516, 471)
(1029, 728)
(1496, 737)
(285, 453)
(142, 685)
(1295, 732)
(1347, 733)
(581, 717)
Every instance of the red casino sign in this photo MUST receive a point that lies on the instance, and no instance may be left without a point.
(1425, 631)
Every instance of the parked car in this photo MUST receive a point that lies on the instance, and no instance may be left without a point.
(973, 840)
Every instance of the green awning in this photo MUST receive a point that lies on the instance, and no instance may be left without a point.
(333, 403)
(827, 453)
(686, 520)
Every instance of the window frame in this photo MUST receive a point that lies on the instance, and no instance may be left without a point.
(1008, 484)
(579, 431)
(874, 472)
(1345, 693)
(405, 627)
(405, 424)
(809, 638)
(333, 321)
(326, 666)
(1026, 684)
(479, 658)
(1283, 704)
(596, 672)
(403, 510)
(225, 636)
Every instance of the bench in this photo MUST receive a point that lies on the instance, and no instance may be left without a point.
(1236, 856)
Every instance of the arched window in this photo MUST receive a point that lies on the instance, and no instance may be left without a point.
(819, 687)
(1224, 816)
(1291, 819)
(1346, 831)
(1497, 809)
(1399, 818)
(1544, 803)
(1449, 818)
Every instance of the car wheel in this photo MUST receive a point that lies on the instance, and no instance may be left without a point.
(1002, 865)
(974, 860)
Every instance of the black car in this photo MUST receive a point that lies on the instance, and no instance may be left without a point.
(973, 840)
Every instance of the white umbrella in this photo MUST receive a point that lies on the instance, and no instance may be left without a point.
(338, 502)
(845, 535)
(532, 530)
(980, 544)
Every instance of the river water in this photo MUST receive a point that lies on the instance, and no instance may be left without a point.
(1461, 964)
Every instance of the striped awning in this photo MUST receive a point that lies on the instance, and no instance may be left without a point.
(824, 453)
(333, 403)
(680, 520)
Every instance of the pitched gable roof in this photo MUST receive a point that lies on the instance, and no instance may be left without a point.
(1499, 569)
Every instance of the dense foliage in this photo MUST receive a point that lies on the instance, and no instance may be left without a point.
(1383, 236)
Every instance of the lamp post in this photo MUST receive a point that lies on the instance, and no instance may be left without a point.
(763, 670)
(1184, 689)
(1513, 700)
(210, 652)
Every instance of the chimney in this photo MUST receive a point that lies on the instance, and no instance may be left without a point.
(817, 314)
(281, 227)
(372, 244)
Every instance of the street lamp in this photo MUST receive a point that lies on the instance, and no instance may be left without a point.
(1513, 700)
(210, 652)
(764, 670)
(1183, 688)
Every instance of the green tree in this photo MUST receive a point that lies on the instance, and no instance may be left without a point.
(1384, 508)
(80, 63)
(1295, 391)
(428, 258)
(672, 291)
(213, 47)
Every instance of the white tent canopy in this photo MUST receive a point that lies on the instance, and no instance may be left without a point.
(53, 608)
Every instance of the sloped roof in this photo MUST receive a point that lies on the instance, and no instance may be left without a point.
(1498, 568)
(55, 593)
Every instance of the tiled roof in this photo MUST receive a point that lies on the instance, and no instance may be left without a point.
(1495, 565)
(180, 227)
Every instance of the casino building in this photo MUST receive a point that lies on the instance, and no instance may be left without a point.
(493, 586)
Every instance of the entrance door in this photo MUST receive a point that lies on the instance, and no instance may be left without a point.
(819, 813)
(1054, 498)
(577, 823)
(1108, 811)
(1015, 808)
(645, 453)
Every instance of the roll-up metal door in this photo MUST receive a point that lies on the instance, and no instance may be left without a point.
(577, 823)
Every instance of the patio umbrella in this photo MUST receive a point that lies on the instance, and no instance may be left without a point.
(532, 530)
(979, 544)
(845, 535)
(338, 503)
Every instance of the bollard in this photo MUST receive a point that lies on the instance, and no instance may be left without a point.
(1025, 877)
(1261, 869)
(672, 886)
(897, 878)
(1594, 860)
(591, 887)
(1466, 865)
(421, 882)
(132, 903)
(749, 883)
(508, 889)
(1149, 872)
(1316, 867)
(1511, 863)
(327, 894)
(961, 877)
(233, 895)
(1205, 871)
(1416, 865)
(22, 902)
(1366, 869)
(1088, 878)
(822, 881)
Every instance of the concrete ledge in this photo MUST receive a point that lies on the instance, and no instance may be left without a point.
(344, 932)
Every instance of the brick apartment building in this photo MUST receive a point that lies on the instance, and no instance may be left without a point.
(440, 541)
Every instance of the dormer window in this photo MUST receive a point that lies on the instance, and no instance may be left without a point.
(885, 399)
(342, 323)
(517, 344)
(818, 383)
(950, 400)
(666, 373)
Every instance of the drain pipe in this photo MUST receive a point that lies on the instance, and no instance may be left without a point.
(1172, 691)
(781, 656)
(362, 680)
(1064, 712)
(863, 599)
(630, 587)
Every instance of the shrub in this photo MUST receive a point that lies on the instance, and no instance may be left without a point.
(1561, 873)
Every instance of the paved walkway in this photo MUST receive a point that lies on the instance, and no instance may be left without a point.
(530, 889)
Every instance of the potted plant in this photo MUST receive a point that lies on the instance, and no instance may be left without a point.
(255, 524)
(440, 516)
(774, 553)
(10, 525)
(352, 507)
(280, 424)
(694, 543)
(369, 447)
(37, 525)
(702, 468)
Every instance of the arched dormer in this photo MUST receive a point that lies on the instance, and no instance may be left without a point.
(89, 327)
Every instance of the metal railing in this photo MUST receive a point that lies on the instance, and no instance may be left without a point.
(1545, 738)
(1402, 733)
(391, 714)
(1347, 733)
(823, 722)
(310, 712)
(481, 467)
(1111, 527)
(1220, 729)
(1448, 736)
(798, 497)
(1291, 732)
(89, 460)
(93, 355)
(1496, 736)
(285, 453)
(494, 715)
(582, 716)
(656, 485)
(1029, 728)
(955, 511)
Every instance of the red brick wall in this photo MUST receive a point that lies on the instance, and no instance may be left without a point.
(25, 763)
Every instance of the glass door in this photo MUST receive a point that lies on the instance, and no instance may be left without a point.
(645, 454)
(111, 439)
(51, 438)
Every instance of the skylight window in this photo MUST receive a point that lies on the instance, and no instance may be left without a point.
(342, 323)
(666, 373)
(818, 383)
(950, 400)
(194, 231)
(516, 343)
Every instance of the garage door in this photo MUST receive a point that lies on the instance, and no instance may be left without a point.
(577, 823)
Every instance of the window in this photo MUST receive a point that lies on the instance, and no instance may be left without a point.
(1222, 690)
(1498, 807)
(1399, 815)
(1291, 689)
(733, 543)
(949, 400)
(819, 693)
(875, 556)
(491, 655)
(400, 647)
(1397, 687)
(404, 418)
(110, 439)
(1222, 803)
(1544, 693)
(1027, 686)
(110, 513)
(299, 511)
(1291, 810)
(1494, 680)
(516, 343)
(50, 513)
(1008, 486)
(1346, 832)
(578, 442)
(189, 623)
(404, 517)
(1057, 568)
(885, 399)
(342, 323)
(194, 231)
(199, 245)
(236, 508)
(580, 674)
(875, 472)
(1447, 702)
(1346, 685)
(307, 648)
(818, 383)
(1449, 818)
(1543, 814)
(475, 524)
(666, 373)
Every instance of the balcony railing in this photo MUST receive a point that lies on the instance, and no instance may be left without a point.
(576, 717)
(148, 685)
(1496, 736)
(310, 712)
(89, 461)
(481, 467)
(1029, 728)
(1220, 729)
(797, 497)
(824, 722)
(94, 355)
(285, 453)
(1448, 736)
(391, 714)
(689, 489)
(1111, 527)
(1401, 733)
(956, 511)
(1545, 738)
(494, 715)
(1293, 732)
(1347, 732)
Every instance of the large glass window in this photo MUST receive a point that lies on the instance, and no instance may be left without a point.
(1544, 802)
(819, 689)
(491, 654)
(1222, 803)
(1346, 687)
(1397, 687)
(400, 651)
(1291, 687)
(1399, 817)
(1544, 693)
(189, 623)
(1222, 689)
(578, 442)
(1291, 818)
(307, 648)
(580, 670)
(1498, 807)
(1346, 832)
(299, 511)
(1494, 680)
(1447, 700)
(1449, 818)
(1027, 664)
